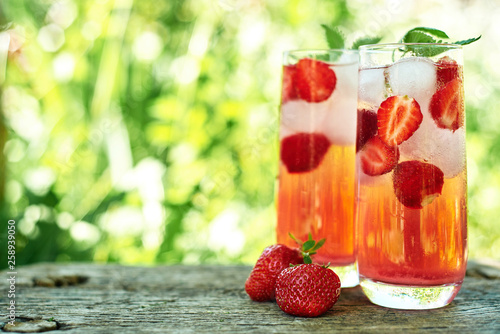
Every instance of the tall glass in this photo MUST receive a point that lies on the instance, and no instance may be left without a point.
(317, 155)
(411, 178)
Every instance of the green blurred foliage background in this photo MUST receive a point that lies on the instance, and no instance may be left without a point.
(146, 131)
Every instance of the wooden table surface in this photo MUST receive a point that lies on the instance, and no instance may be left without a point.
(93, 298)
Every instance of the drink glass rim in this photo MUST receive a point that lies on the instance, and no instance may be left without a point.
(390, 46)
(303, 53)
(317, 51)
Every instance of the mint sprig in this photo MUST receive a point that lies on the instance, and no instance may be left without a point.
(420, 35)
(309, 247)
(429, 35)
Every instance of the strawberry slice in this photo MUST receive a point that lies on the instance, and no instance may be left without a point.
(367, 127)
(447, 70)
(315, 81)
(303, 152)
(377, 158)
(447, 106)
(398, 117)
(288, 91)
(417, 184)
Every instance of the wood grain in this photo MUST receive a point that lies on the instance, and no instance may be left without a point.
(92, 298)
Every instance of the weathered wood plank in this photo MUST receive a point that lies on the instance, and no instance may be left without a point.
(82, 298)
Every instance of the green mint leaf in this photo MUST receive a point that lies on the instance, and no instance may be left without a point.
(426, 51)
(415, 36)
(431, 31)
(429, 35)
(334, 37)
(308, 245)
(435, 50)
(467, 41)
(423, 35)
(364, 41)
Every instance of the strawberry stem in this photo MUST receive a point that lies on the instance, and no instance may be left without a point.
(309, 247)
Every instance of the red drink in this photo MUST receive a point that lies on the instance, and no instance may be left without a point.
(411, 177)
(317, 156)
(397, 248)
(321, 202)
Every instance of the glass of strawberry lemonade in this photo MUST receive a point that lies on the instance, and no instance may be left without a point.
(315, 191)
(411, 187)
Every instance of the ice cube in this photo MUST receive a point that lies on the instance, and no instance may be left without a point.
(347, 79)
(421, 145)
(440, 147)
(340, 123)
(301, 116)
(285, 132)
(449, 152)
(372, 85)
(415, 77)
(348, 58)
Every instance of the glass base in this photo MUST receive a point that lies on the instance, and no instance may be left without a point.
(348, 275)
(409, 297)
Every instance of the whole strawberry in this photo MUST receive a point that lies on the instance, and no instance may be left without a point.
(261, 283)
(307, 290)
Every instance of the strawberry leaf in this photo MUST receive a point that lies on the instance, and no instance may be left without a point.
(308, 245)
(293, 238)
(364, 41)
(334, 37)
(318, 245)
